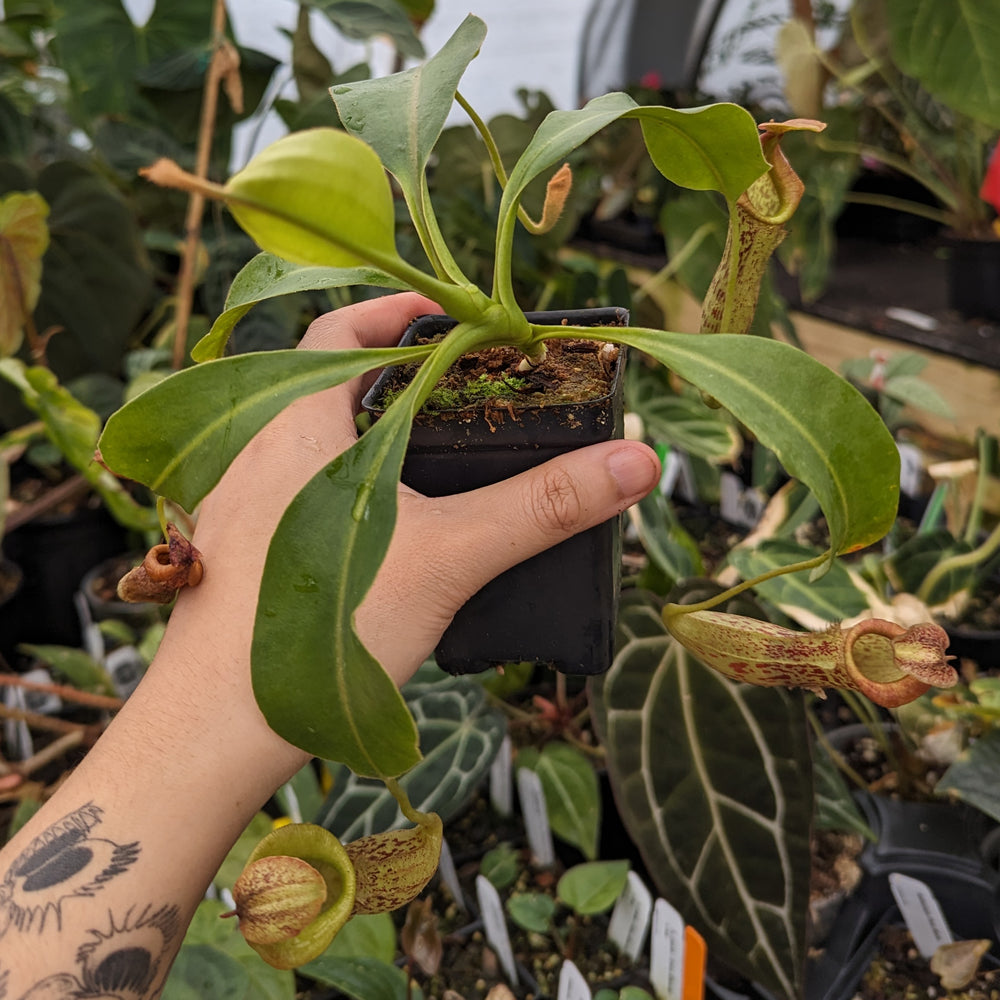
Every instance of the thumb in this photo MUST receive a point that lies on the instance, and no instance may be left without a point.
(501, 525)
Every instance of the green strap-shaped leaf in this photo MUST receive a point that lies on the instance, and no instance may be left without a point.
(951, 49)
(401, 116)
(973, 776)
(713, 783)
(267, 277)
(179, 436)
(314, 580)
(714, 148)
(820, 427)
(304, 638)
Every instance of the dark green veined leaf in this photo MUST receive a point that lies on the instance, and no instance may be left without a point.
(950, 49)
(363, 19)
(267, 277)
(809, 602)
(572, 796)
(713, 785)
(839, 448)
(459, 738)
(180, 435)
(681, 420)
(973, 776)
(215, 959)
(835, 808)
(201, 970)
(362, 978)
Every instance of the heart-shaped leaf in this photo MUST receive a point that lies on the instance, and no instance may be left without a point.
(572, 796)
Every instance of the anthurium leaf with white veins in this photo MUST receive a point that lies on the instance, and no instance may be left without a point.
(459, 737)
(713, 782)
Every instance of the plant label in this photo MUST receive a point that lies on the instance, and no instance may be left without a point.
(677, 476)
(572, 985)
(495, 925)
(536, 816)
(502, 780)
(666, 952)
(629, 922)
(737, 505)
(911, 469)
(446, 868)
(17, 699)
(125, 666)
(921, 912)
(695, 959)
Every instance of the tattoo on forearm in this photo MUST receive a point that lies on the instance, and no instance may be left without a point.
(64, 862)
(129, 957)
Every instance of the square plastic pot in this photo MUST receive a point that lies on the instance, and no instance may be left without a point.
(558, 607)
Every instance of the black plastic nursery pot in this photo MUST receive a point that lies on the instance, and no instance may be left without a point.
(974, 277)
(560, 606)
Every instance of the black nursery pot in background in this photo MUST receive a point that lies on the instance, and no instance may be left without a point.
(560, 606)
(974, 277)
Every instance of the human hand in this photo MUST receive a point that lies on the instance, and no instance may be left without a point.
(443, 549)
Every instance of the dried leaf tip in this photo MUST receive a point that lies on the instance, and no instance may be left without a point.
(556, 193)
(166, 568)
(166, 173)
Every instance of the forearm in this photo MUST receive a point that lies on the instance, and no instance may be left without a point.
(124, 851)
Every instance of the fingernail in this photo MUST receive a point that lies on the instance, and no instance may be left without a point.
(635, 470)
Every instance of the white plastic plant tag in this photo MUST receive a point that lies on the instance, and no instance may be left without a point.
(666, 952)
(629, 922)
(502, 780)
(536, 816)
(572, 985)
(921, 912)
(41, 702)
(671, 473)
(16, 735)
(495, 926)
(125, 667)
(686, 488)
(446, 869)
(737, 505)
(911, 469)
